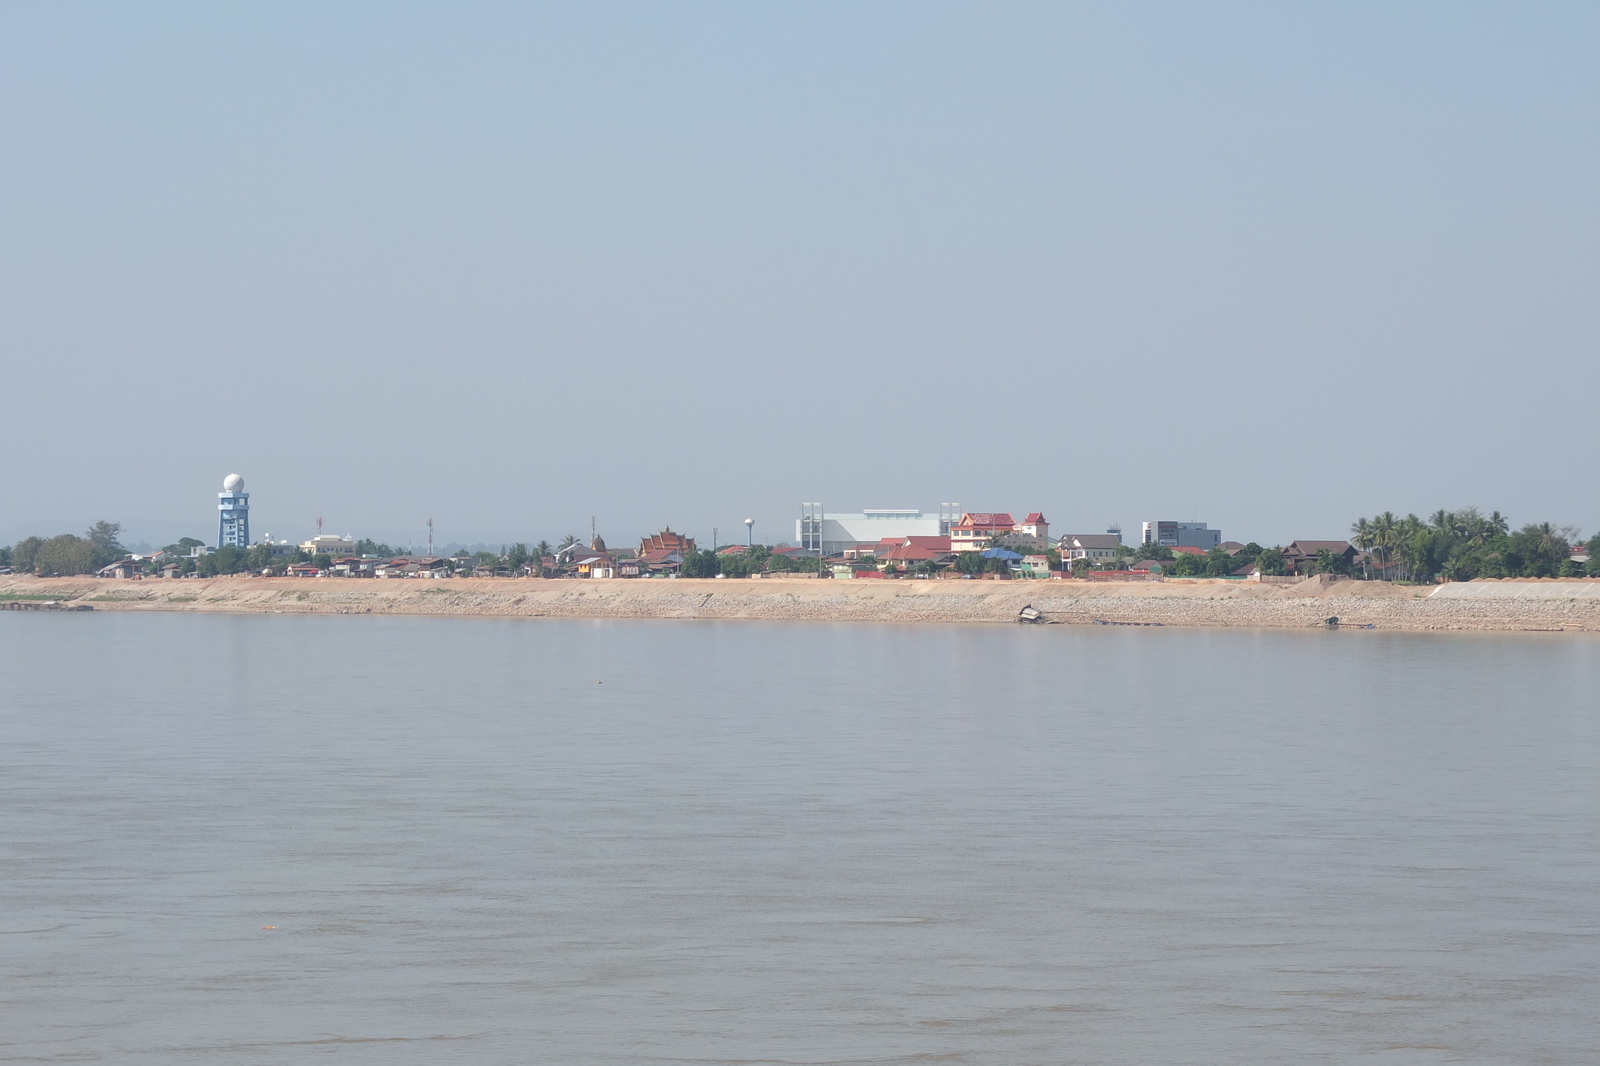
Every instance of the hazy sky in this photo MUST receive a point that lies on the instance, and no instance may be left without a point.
(1269, 266)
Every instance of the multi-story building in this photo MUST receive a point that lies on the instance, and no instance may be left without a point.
(233, 507)
(329, 544)
(977, 528)
(1167, 534)
(831, 534)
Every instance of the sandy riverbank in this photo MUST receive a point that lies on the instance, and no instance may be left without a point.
(1502, 605)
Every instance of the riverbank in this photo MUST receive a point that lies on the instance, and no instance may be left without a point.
(1541, 606)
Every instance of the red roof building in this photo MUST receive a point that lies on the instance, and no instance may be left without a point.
(937, 545)
(909, 555)
(975, 529)
(666, 541)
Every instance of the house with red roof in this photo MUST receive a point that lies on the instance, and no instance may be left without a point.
(937, 545)
(1034, 526)
(976, 528)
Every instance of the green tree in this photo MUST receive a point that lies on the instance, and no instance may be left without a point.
(1187, 564)
(225, 560)
(699, 563)
(970, 562)
(1329, 562)
(65, 556)
(1361, 537)
(1271, 562)
(103, 535)
(740, 565)
(25, 555)
(794, 564)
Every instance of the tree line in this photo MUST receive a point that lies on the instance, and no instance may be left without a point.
(1466, 544)
(66, 555)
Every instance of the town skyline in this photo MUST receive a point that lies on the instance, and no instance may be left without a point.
(774, 530)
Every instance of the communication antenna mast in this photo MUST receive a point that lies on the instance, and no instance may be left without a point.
(430, 538)
(319, 525)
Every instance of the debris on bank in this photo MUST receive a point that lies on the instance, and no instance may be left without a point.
(43, 605)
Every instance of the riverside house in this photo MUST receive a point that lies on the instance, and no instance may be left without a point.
(1302, 553)
(977, 528)
(1091, 546)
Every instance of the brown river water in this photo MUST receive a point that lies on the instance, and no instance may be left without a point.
(274, 839)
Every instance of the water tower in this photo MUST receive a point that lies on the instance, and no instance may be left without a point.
(233, 504)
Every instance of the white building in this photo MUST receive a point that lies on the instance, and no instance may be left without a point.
(1182, 535)
(329, 544)
(833, 533)
(1090, 546)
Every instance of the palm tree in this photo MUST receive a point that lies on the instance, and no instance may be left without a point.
(1499, 525)
(1553, 546)
(1385, 530)
(1410, 545)
(1362, 531)
(1471, 526)
(1442, 520)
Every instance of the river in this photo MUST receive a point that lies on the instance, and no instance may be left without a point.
(396, 840)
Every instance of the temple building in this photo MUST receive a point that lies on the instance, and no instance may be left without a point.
(666, 541)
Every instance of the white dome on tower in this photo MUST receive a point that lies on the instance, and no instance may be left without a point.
(232, 483)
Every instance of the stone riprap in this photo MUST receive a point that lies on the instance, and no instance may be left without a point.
(1564, 605)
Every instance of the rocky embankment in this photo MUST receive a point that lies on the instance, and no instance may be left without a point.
(1546, 606)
